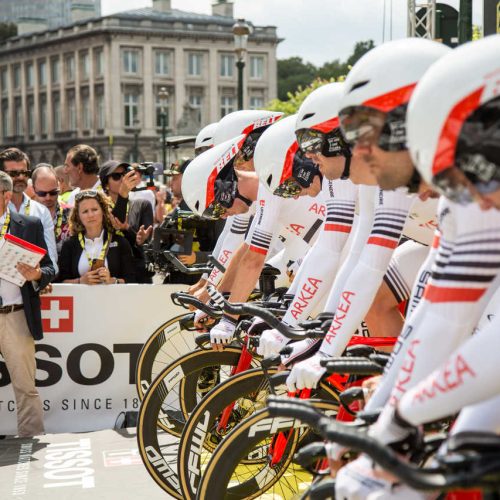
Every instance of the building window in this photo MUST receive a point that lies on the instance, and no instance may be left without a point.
(257, 67)
(100, 111)
(86, 125)
(30, 75)
(18, 117)
(256, 102)
(162, 63)
(17, 76)
(56, 110)
(54, 70)
(70, 68)
(3, 80)
(195, 62)
(196, 101)
(31, 116)
(131, 62)
(43, 114)
(226, 105)
(226, 65)
(5, 118)
(84, 66)
(42, 73)
(131, 108)
(71, 108)
(99, 63)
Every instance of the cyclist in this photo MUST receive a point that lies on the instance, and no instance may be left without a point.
(292, 222)
(453, 130)
(397, 212)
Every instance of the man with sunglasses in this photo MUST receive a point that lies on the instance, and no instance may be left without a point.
(16, 164)
(46, 188)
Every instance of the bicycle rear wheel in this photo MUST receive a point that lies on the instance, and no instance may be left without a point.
(167, 404)
(169, 342)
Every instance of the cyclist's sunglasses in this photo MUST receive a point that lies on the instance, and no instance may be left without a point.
(43, 194)
(17, 173)
(86, 193)
(328, 144)
(366, 126)
(288, 189)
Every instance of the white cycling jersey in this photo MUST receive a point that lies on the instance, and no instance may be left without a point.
(295, 223)
(396, 213)
(229, 240)
(462, 281)
(319, 267)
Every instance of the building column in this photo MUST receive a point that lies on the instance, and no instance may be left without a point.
(113, 97)
(50, 109)
(78, 104)
(180, 87)
(93, 127)
(148, 118)
(62, 95)
(213, 90)
(36, 101)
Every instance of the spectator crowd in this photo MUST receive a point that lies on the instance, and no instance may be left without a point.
(93, 221)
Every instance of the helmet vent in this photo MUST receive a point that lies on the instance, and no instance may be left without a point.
(269, 179)
(197, 205)
(358, 85)
(308, 115)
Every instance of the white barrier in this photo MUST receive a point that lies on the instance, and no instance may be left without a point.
(86, 361)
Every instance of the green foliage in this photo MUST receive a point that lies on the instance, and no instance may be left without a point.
(477, 32)
(297, 79)
(292, 104)
(7, 30)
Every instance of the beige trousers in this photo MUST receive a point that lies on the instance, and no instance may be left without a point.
(18, 350)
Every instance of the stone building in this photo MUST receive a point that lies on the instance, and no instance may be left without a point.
(97, 81)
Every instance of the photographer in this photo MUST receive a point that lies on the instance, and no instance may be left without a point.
(205, 232)
(133, 217)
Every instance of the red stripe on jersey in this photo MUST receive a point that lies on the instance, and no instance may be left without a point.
(436, 240)
(392, 99)
(327, 126)
(338, 227)
(286, 173)
(382, 242)
(434, 293)
(447, 144)
(263, 251)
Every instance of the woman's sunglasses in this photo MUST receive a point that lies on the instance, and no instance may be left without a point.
(86, 193)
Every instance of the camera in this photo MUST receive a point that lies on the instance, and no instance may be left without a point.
(145, 168)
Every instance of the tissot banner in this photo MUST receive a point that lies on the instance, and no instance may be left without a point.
(86, 361)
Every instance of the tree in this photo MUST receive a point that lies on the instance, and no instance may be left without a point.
(293, 73)
(7, 30)
(292, 104)
(360, 49)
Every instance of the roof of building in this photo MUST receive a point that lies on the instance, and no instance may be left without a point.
(174, 15)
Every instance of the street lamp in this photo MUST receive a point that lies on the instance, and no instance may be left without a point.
(137, 131)
(163, 96)
(241, 30)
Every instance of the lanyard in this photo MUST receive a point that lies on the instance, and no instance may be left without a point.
(58, 224)
(6, 224)
(27, 207)
(103, 251)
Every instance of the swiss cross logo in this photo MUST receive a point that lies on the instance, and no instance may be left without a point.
(57, 314)
(120, 458)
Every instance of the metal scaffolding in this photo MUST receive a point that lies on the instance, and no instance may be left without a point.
(423, 26)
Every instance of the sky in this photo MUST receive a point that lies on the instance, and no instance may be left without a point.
(316, 30)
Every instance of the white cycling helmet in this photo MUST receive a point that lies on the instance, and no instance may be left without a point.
(280, 164)
(317, 127)
(248, 122)
(379, 86)
(454, 121)
(209, 184)
(205, 138)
